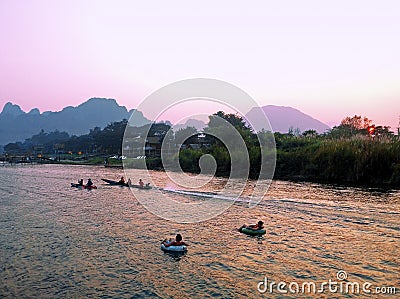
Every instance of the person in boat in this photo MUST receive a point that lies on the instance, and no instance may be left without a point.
(178, 241)
(89, 183)
(258, 226)
(141, 184)
(121, 181)
(80, 182)
(129, 182)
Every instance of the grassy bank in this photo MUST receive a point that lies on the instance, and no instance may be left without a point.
(357, 160)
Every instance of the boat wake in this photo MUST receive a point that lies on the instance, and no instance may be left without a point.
(211, 195)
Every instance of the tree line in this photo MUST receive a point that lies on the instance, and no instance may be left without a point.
(354, 152)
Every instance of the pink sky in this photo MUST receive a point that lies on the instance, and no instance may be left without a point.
(329, 59)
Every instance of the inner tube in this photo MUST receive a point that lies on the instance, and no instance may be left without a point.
(181, 248)
(252, 232)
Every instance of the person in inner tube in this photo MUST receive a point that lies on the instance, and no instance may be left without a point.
(178, 241)
(258, 226)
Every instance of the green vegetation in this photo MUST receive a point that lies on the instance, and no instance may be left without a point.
(355, 152)
(106, 141)
(354, 160)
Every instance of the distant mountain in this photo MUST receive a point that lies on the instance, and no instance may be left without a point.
(198, 124)
(12, 110)
(16, 125)
(283, 118)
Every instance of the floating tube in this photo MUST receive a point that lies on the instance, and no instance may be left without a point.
(252, 232)
(181, 248)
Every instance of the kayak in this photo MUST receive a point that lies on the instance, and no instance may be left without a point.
(83, 186)
(252, 232)
(181, 248)
(116, 183)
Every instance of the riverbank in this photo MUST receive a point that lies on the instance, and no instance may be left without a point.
(156, 164)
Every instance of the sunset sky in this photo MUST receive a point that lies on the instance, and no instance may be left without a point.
(329, 59)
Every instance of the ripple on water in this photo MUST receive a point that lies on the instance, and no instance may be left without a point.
(61, 242)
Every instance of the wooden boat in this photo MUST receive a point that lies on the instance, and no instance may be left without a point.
(111, 182)
(116, 183)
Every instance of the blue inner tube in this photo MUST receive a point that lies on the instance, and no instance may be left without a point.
(181, 248)
(253, 232)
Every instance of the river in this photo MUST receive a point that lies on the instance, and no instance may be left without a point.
(62, 242)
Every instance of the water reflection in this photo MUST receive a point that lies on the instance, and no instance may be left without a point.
(58, 241)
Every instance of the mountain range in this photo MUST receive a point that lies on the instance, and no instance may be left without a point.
(17, 125)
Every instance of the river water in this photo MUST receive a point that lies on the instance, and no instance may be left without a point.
(62, 242)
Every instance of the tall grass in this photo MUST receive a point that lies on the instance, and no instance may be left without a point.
(356, 160)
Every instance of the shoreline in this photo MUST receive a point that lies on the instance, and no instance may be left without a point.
(295, 179)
